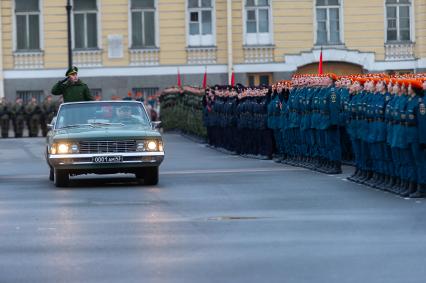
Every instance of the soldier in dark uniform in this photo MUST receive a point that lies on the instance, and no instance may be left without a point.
(48, 112)
(418, 117)
(5, 116)
(18, 118)
(33, 115)
(128, 97)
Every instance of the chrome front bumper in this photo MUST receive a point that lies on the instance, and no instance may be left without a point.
(82, 161)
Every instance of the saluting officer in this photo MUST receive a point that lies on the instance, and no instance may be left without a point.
(72, 88)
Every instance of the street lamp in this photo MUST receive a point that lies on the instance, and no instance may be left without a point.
(69, 7)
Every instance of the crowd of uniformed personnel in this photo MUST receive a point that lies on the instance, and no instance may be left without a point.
(317, 121)
(236, 120)
(181, 109)
(33, 116)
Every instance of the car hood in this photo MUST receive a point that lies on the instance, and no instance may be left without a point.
(105, 133)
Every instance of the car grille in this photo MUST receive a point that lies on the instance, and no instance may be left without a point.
(107, 146)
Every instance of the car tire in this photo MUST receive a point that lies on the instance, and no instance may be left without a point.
(51, 174)
(61, 178)
(149, 175)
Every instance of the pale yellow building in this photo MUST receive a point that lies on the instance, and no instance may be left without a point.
(139, 45)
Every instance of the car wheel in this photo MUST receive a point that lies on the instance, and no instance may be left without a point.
(51, 174)
(61, 178)
(149, 175)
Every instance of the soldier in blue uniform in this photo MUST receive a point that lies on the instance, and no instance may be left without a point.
(379, 130)
(330, 126)
(418, 112)
(353, 125)
(274, 108)
(413, 158)
(284, 122)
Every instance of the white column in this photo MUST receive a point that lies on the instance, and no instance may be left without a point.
(229, 37)
(1, 56)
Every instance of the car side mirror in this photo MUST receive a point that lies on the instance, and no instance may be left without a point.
(52, 124)
(155, 125)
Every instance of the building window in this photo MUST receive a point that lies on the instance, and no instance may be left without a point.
(85, 17)
(328, 13)
(27, 13)
(27, 95)
(201, 22)
(143, 23)
(398, 20)
(258, 22)
(259, 79)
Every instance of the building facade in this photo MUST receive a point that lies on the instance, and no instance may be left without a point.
(140, 45)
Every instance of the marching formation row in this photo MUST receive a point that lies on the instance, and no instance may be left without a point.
(316, 121)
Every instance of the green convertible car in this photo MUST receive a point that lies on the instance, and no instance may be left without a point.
(103, 137)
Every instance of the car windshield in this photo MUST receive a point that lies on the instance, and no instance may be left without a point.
(101, 114)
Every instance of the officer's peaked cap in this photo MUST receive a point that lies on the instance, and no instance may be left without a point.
(72, 70)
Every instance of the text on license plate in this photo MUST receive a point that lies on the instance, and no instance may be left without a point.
(107, 159)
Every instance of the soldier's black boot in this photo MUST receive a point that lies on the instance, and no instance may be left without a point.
(309, 162)
(420, 191)
(351, 178)
(337, 167)
(284, 159)
(370, 181)
(392, 181)
(412, 188)
(403, 189)
(382, 180)
(320, 166)
(368, 176)
(396, 185)
(328, 167)
(361, 174)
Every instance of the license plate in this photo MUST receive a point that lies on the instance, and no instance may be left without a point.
(107, 159)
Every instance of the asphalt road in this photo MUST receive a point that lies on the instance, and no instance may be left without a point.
(212, 218)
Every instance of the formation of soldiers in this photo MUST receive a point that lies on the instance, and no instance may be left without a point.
(181, 109)
(32, 115)
(318, 121)
(236, 120)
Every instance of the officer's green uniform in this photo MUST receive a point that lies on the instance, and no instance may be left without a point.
(72, 92)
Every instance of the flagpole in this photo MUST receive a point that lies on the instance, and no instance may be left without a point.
(320, 70)
(205, 78)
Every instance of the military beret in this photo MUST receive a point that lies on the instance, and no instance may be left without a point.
(72, 70)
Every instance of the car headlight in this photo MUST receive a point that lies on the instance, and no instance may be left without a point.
(63, 148)
(149, 145)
